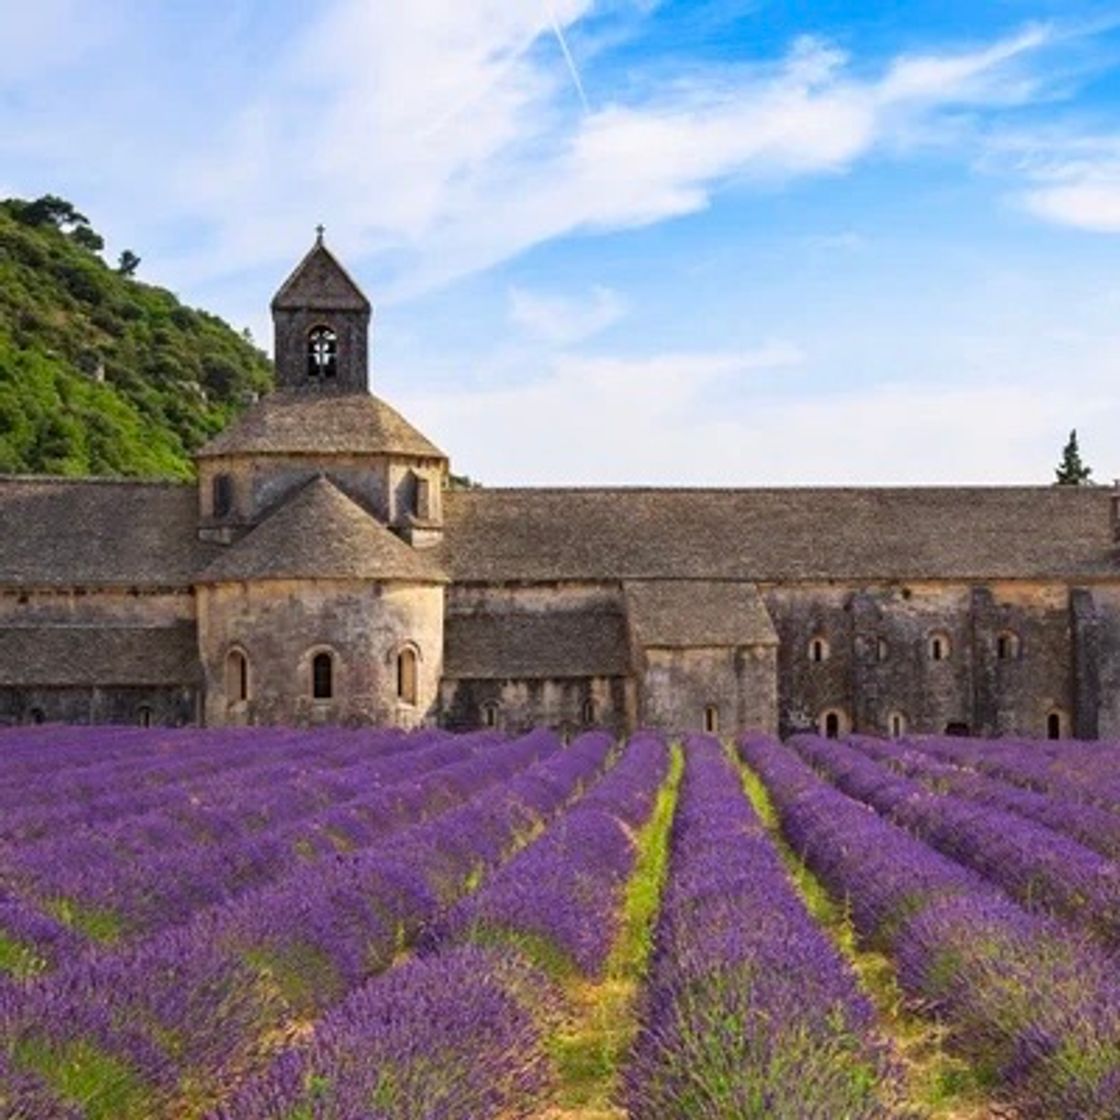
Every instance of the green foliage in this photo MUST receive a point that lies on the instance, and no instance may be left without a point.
(102, 1086)
(127, 263)
(101, 374)
(1071, 471)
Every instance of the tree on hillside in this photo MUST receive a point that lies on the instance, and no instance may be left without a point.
(127, 263)
(88, 238)
(1071, 471)
(49, 209)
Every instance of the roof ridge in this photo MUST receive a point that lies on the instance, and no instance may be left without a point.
(839, 488)
(91, 479)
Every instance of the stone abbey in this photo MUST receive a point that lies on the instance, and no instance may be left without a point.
(321, 570)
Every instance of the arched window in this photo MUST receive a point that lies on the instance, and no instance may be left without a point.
(588, 713)
(832, 723)
(144, 715)
(322, 353)
(322, 677)
(711, 719)
(490, 714)
(939, 647)
(896, 725)
(221, 495)
(406, 675)
(818, 650)
(1055, 725)
(882, 649)
(37, 715)
(237, 677)
(1008, 646)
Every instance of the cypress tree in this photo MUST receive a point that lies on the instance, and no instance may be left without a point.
(1071, 471)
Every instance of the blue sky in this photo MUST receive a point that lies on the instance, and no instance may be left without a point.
(730, 242)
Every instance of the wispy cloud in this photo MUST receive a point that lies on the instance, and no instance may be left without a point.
(563, 320)
(1071, 180)
(441, 154)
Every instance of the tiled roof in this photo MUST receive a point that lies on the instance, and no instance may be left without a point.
(780, 534)
(101, 655)
(294, 422)
(320, 533)
(93, 532)
(535, 645)
(320, 281)
(686, 613)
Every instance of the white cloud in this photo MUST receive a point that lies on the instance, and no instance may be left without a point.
(440, 138)
(759, 418)
(1074, 181)
(563, 320)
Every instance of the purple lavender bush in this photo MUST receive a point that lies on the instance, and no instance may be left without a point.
(457, 1036)
(1088, 824)
(1043, 869)
(750, 1011)
(1033, 1005)
(460, 1031)
(562, 893)
(184, 1012)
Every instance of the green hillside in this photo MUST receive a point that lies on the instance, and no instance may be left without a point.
(100, 373)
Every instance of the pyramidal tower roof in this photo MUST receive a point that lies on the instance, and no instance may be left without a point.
(320, 281)
(320, 533)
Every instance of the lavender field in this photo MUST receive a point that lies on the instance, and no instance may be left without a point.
(340, 924)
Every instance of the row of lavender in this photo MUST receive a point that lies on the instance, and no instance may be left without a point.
(168, 1024)
(136, 875)
(1026, 987)
(461, 1031)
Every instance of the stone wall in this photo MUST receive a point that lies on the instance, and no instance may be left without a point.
(1007, 657)
(68, 606)
(381, 484)
(291, 329)
(281, 625)
(678, 687)
(157, 706)
(569, 705)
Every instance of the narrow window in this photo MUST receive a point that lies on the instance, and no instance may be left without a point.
(222, 495)
(322, 677)
(588, 712)
(490, 714)
(818, 650)
(711, 719)
(322, 353)
(406, 676)
(939, 647)
(237, 677)
(1007, 646)
(423, 504)
(882, 650)
(145, 716)
(897, 723)
(832, 725)
(1054, 725)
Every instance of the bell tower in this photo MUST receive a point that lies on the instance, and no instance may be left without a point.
(320, 321)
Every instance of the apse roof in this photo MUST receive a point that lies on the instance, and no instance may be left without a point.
(320, 533)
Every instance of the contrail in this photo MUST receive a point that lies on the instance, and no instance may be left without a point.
(576, 80)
